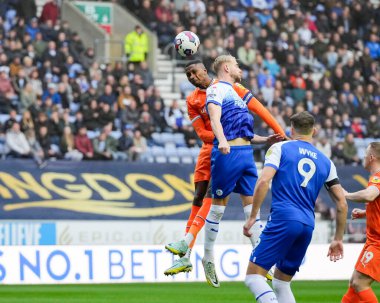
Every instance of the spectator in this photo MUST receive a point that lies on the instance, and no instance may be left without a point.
(139, 146)
(136, 45)
(125, 143)
(67, 146)
(104, 147)
(191, 137)
(49, 150)
(246, 55)
(350, 152)
(146, 74)
(158, 116)
(27, 122)
(91, 116)
(16, 143)
(146, 126)
(324, 146)
(8, 97)
(175, 117)
(10, 121)
(50, 11)
(83, 144)
(146, 15)
(35, 147)
(106, 115)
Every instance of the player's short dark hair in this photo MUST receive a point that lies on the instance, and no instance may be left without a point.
(192, 62)
(375, 148)
(303, 122)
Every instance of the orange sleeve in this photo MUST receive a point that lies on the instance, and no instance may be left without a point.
(259, 109)
(207, 136)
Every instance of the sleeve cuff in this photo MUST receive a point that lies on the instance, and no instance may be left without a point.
(271, 165)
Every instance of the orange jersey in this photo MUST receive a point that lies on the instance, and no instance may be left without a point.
(373, 213)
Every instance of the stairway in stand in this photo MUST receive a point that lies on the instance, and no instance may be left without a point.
(164, 80)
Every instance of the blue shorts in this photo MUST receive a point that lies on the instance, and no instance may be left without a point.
(283, 243)
(234, 172)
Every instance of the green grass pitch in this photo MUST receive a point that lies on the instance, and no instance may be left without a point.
(229, 292)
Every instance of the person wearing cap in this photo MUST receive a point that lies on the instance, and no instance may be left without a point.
(136, 45)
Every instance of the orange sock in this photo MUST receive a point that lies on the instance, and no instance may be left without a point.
(193, 213)
(351, 296)
(367, 296)
(199, 220)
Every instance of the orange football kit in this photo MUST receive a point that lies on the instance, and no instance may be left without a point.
(369, 260)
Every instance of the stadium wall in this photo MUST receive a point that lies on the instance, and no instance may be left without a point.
(88, 31)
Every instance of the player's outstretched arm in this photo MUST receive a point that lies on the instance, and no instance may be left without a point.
(269, 140)
(366, 195)
(261, 190)
(255, 106)
(336, 247)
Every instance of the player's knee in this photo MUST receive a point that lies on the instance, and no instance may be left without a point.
(356, 285)
(198, 198)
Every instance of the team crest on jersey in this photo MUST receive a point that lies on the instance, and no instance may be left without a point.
(219, 192)
(375, 179)
(269, 152)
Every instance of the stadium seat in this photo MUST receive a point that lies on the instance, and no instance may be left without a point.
(361, 152)
(185, 154)
(92, 134)
(116, 134)
(179, 139)
(156, 138)
(167, 137)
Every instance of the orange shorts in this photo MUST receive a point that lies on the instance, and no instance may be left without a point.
(369, 261)
(202, 170)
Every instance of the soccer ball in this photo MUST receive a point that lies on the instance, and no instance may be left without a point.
(186, 43)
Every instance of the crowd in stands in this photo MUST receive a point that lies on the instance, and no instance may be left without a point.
(320, 56)
(296, 55)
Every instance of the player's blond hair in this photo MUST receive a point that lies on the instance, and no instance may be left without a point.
(219, 61)
(375, 148)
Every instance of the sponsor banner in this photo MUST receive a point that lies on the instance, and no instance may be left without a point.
(27, 233)
(100, 13)
(115, 191)
(139, 232)
(143, 232)
(122, 264)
